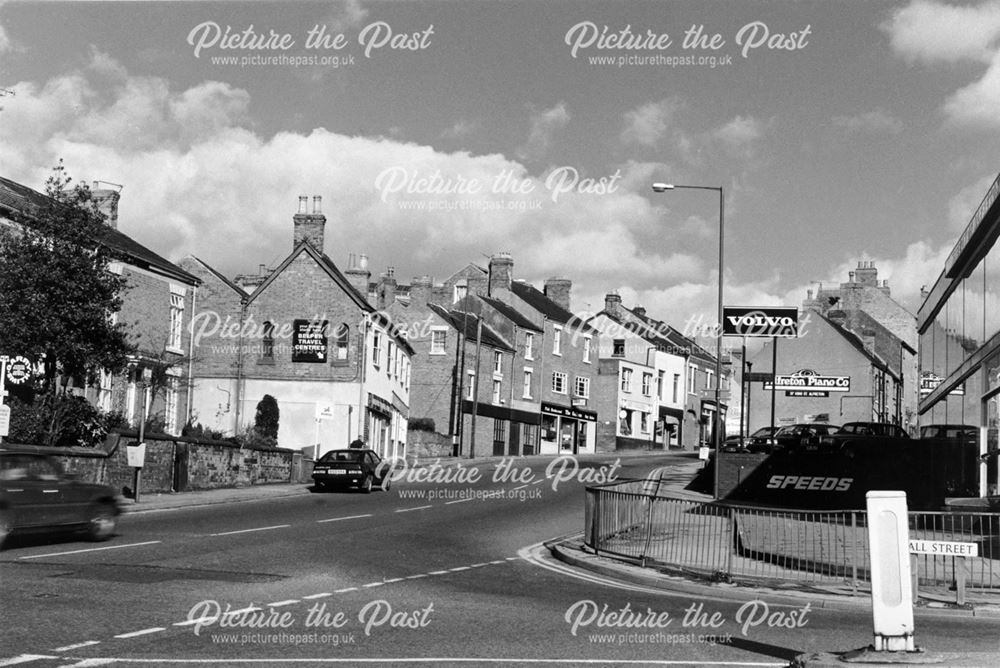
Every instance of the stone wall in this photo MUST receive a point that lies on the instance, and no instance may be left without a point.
(176, 464)
(427, 445)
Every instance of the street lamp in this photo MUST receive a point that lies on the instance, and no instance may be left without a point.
(664, 187)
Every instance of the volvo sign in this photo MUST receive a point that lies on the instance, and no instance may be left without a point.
(760, 321)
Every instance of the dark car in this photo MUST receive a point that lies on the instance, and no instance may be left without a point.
(35, 494)
(794, 436)
(962, 432)
(733, 444)
(355, 467)
(758, 441)
(863, 434)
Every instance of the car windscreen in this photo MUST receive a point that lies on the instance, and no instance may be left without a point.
(342, 456)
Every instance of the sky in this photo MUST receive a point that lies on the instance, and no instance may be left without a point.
(441, 132)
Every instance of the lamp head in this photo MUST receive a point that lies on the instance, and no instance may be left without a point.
(662, 187)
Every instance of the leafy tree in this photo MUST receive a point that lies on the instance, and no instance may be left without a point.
(266, 419)
(56, 293)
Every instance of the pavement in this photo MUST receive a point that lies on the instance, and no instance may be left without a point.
(571, 550)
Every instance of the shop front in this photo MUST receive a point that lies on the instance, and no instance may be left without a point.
(711, 419)
(567, 430)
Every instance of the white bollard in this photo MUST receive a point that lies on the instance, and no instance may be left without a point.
(892, 594)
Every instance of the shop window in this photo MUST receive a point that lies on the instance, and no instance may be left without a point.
(625, 422)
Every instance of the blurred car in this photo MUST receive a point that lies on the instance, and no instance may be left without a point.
(863, 434)
(962, 432)
(758, 441)
(354, 467)
(36, 495)
(794, 436)
(733, 444)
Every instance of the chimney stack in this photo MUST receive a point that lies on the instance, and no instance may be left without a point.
(558, 290)
(501, 273)
(387, 288)
(106, 201)
(613, 304)
(357, 273)
(309, 226)
(420, 290)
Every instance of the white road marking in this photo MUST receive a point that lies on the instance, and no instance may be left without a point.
(448, 503)
(90, 549)
(406, 510)
(344, 591)
(418, 575)
(143, 632)
(279, 604)
(413, 660)
(200, 620)
(313, 597)
(25, 658)
(393, 580)
(372, 584)
(459, 568)
(232, 533)
(77, 646)
(521, 487)
(340, 519)
(438, 573)
(485, 563)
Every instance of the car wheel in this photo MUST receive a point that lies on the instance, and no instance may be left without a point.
(102, 521)
(366, 484)
(385, 483)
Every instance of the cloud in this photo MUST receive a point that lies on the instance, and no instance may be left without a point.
(739, 132)
(460, 130)
(544, 124)
(933, 32)
(648, 124)
(962, 206)
(875, 122)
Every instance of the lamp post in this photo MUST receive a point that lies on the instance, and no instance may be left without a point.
(663, 187)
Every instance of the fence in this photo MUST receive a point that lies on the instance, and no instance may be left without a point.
(728, 541)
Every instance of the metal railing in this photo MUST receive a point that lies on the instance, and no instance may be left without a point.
(729, 541)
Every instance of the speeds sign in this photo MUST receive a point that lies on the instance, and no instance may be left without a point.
(760, 321)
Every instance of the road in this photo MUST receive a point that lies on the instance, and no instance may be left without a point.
(432, 572)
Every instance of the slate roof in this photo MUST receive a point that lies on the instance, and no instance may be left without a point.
(537, 300)
(20, 198)
(467, 323)
(511, 314)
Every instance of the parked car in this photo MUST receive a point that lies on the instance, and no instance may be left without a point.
(758, 441)
(865, 434)
(733, 444)
(801, 435)
(36, 494)
(355, 467)
(961, 432)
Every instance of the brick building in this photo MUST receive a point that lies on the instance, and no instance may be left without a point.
(156, 309)
(307, 336)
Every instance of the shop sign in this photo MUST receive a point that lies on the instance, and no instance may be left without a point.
(309, 341)
(930, 380)
(568, 412)
(816, 394)
(18, 370)
(379, 404)
(806, 380)
(760, 321)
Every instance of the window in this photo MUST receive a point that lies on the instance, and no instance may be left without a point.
(659, 385)
(170, 407)
(647, 381)
(618, 348)
(676, 387)
(390, 360)
(526, 393)
(581, 387)
(439, 341)
(342, 340)
(267, 343)
(496, 392)
(586, 349)
(559, 382)
(626, 380)
(625, 422)
(557, 341)
(709, 380)
(461, 290)
(176, 320)
(644, 422)
(692, 373)
(497, 362)
(376, 348)
(529, 344)
(499, 431)
(471, 380)
(104, 391)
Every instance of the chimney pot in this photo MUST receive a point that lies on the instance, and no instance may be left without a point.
(303, 203)
(317, 204)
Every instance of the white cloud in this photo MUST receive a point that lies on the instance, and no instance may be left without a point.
(648, 124)
(460, 130)
(544, 124)
(5, 43)
(976, 105)
(876, 122)
(739, 132)
(936, 32)
(962, 206)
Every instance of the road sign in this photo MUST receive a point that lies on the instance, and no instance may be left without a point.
(944, 548)
(4, 420)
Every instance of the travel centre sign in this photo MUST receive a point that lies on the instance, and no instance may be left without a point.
(760, 321)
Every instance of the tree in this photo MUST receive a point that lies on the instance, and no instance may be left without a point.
(56, 292)
(266, 419)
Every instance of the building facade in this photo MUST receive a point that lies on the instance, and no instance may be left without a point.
(959, 328)
(307, 336)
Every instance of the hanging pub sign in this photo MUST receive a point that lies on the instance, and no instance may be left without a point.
(309, 341)
(18, 370)
(760, 321)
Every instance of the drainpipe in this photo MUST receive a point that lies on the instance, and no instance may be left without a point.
(363, 329)
(190, 378)
(239, 369)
